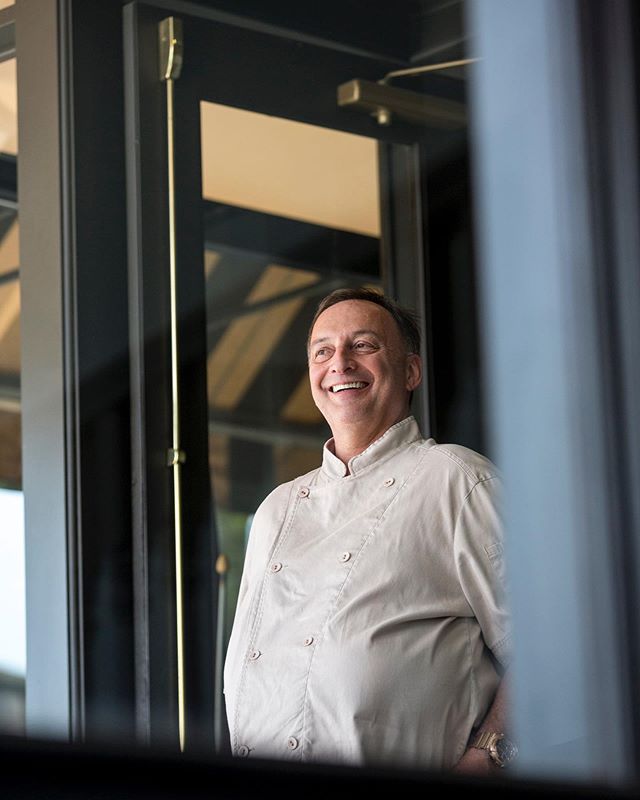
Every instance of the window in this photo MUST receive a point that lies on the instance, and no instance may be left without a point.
(12, 589)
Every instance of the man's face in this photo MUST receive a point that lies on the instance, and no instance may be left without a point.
(359, 369)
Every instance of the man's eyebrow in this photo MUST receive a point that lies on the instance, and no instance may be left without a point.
(317, 341)
(364, 331)
(367, 332)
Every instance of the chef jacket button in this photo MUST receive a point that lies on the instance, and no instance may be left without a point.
(303, 491)
(308, 641)
(254, 655)
(389, 481)
(243, 751)
(345, 556)
(292, 743)
(276, 566)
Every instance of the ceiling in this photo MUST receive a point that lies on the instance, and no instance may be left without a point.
(288, 168)
(406, 30)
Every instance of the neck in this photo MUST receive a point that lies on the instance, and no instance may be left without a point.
(355, 439)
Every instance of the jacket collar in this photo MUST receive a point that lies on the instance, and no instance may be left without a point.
(402, 433)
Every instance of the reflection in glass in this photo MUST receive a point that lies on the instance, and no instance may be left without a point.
(12, 600)
(291, 212)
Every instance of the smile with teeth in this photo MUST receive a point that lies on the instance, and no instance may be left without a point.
(340, 387)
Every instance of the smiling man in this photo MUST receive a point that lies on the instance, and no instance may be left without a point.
(371, 624)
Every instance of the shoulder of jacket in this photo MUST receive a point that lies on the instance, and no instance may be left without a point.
(457, 458)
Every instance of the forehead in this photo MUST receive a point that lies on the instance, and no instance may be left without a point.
(350, 316)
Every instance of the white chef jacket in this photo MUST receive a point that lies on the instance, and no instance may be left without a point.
(371, 619)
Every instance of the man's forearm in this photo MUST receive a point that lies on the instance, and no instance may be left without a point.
(496, 717)
(477, 761)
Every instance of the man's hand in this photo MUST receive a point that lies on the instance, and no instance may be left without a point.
(476, 762)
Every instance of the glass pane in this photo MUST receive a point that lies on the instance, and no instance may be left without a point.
(291, 212)
(12, 590)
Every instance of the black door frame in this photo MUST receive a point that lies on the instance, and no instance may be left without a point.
(225, 64)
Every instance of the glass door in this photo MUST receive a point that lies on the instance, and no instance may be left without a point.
(279, 196)
(291, 211)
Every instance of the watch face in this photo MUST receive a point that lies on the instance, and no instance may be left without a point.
(506, 750)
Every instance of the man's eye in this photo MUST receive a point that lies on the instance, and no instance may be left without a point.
(366, 346)
(322, 354)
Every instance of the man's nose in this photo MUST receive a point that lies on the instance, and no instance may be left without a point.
(342, 360)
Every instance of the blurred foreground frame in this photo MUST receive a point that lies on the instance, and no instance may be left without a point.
(45, 770)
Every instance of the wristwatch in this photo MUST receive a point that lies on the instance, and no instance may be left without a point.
(502, 750)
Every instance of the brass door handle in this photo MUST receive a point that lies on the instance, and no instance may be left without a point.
(170, 52)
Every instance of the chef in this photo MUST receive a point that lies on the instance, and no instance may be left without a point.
(371, 625)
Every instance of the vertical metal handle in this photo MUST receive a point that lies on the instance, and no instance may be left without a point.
(170, 41)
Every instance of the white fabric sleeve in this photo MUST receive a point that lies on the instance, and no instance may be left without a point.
(480, 562)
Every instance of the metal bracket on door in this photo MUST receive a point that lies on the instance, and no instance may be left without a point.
(384, 101)
(170, 53)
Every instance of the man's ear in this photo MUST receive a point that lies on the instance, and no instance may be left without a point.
(413, 371)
